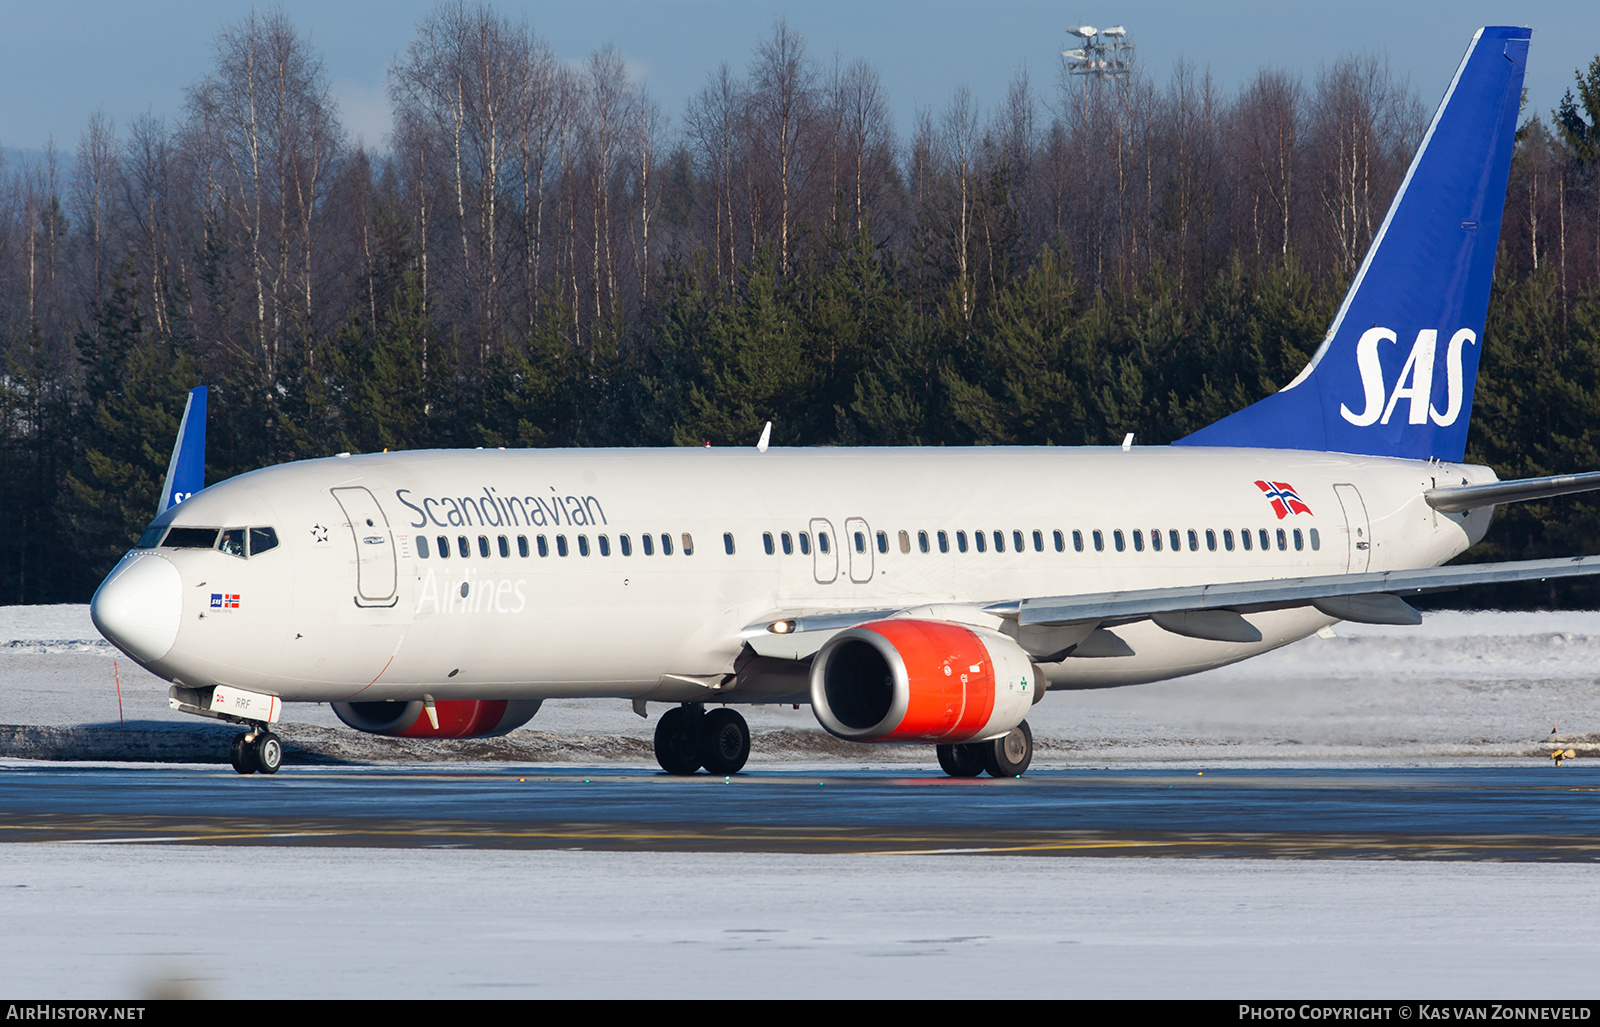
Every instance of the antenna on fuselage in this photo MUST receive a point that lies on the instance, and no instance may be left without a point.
(766, 437)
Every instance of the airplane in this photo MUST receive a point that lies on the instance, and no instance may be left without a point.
(908, 595)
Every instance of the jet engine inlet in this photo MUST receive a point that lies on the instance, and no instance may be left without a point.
(906, 680)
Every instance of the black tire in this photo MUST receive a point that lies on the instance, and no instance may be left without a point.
(961, 760)
(676, 750)
(1009, 755)
(724, 741)
(268, 752)
(242, 756)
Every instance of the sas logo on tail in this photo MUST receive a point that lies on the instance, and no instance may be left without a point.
(1415, 382)
(1284, 499)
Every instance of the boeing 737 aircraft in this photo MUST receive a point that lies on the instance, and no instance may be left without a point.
(908, 595)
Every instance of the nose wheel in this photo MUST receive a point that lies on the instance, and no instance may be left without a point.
(256, 752)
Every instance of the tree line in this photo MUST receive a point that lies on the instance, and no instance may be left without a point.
(541, 256)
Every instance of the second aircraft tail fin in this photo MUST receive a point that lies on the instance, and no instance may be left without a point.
(186, 473)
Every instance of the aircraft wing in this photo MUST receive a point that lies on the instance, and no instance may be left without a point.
(1211, 611)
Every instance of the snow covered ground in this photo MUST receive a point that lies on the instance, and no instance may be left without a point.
(1463, 685)
(102, 921)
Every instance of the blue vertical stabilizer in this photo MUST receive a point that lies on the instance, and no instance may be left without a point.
(186, 474)
(1395, 373)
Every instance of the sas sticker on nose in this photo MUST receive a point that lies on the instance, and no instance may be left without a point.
(224, 601)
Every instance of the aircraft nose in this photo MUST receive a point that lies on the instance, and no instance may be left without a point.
(139, 607)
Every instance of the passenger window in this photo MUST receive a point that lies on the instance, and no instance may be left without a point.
(625, 544)
(805, 543)
(1283, 542)
(1119, 540)
(483, 546)
(1038, 541)
(1227, 539)
(505, 547)
(1211, 540)
(561, 545)
(1017, 545)
(823, 545)
(463, 546)
(1138, 541)
(1060, 542)
(727, 542)
(1266, 543)
(961, 542)
(605, 544)
(861, 541)
(1077, 540)
(1155, 540)
(788, 543)
(905, 542)
(232, 542)
(999, 541)
(944, 542)
(1175, 542)
(649, 545)
(522, 546)
(1099, 541)
(263, 539)
(1194, 541)
(191, 538)
(688, 544)
(666, 544)
(983, 543)
(583, 545)
(922, 541)
(444, 547)
(422, 546)
(883, 541)
(544, 547)
(1316, 540)
(1244, 539)
(1299, 540)
(766, 543)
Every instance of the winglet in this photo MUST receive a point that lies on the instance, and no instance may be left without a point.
(186, 473)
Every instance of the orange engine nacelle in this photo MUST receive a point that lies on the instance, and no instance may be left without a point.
(921, 681)
(458, 718)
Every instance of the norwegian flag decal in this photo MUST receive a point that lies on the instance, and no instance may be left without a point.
(1284, 499)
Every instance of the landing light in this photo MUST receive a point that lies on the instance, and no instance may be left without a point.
(781, 627)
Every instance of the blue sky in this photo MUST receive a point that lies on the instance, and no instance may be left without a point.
(59, 61)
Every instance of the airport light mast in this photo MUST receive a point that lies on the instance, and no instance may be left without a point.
(1104, 53)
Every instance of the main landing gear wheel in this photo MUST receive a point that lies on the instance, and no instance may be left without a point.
(724, 741)
(677, 740)
(1009, 755)
(964, 760)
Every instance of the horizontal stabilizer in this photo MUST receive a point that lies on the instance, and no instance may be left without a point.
(1457, 498)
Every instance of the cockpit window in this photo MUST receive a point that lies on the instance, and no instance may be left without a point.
(261, 540)
(151, 537)
(191, 538)
(232, 542)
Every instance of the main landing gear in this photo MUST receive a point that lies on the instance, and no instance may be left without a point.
(257, 751)
(1006, 756)
(688, 738)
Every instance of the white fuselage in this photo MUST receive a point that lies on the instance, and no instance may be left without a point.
(344, 610)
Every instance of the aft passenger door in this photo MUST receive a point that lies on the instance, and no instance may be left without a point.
(1357, 529)
(375, 556)
(825, 554)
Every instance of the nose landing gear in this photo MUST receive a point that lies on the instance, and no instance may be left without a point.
(258, 751)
